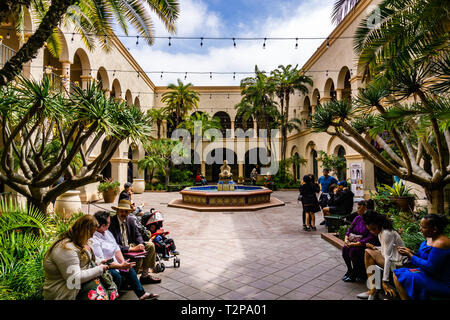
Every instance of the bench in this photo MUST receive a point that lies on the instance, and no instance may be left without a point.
(334, 221)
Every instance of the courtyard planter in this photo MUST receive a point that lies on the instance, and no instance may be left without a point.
(109, 190)
(403, 203)
(138, 185)
(68, 203)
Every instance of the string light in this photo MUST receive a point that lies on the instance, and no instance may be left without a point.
(185, 76)
(73, 35)
(201, 42)
(328, 42)
(264, 44)
(137, 40)
(234, 43)
(169, 41)
(296, 43)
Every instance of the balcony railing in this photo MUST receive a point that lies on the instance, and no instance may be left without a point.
(6, 53)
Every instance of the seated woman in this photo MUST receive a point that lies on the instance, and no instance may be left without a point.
(355, 241)
(67, 263)
(385, 256)
(431, 277)
(105, 247)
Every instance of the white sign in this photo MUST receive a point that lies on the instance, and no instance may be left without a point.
(356, 176)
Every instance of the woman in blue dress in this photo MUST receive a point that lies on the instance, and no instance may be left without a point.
(431, 275)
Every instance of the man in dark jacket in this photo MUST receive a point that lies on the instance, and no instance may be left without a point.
(342, 201)
(127, 235)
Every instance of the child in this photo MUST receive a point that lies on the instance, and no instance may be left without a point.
(153, 221)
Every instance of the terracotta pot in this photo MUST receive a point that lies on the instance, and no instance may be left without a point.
(68, 203)
(403, 203)
(138, 185)
(109, 196)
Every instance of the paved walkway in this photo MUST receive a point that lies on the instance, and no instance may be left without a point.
(247, 255)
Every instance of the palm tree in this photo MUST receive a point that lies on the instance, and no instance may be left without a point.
(93, 19)
(258, 101)
(341, 8)
(157, 116)
(286, 80)
(207, 122)
(180, 100)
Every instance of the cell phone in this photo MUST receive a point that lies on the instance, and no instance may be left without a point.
(109, 261)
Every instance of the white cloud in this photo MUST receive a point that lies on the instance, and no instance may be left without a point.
(309, 19)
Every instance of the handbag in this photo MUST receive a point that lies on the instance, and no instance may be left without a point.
(100, 288)
(354, 237)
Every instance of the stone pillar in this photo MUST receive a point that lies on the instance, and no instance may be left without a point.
(240, 169)
(85, 80)
(255, 130)
(325, 99)
(203, 168)
(119, 170)
(368, 172)
(339, 94)
(232, 129)
(65, 76)
(355, 83)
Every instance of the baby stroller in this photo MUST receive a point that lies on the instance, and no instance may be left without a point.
(165, 247)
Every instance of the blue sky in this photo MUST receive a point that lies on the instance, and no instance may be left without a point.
(245, 18)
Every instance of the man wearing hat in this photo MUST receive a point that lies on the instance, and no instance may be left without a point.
(127, 235)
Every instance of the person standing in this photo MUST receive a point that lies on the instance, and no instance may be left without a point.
(325, 181)
(309, 202)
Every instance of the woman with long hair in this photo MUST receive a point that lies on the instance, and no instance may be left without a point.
(67, 262)
(386, 256)
(309, 200)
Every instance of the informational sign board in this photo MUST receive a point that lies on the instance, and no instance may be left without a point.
(356, 177)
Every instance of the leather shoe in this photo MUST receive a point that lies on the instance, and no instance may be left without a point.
(149, 280)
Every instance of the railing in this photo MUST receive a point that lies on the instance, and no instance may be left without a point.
(6, 53)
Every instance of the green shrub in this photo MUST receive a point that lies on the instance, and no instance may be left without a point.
(341, 231)
(108, 185)
(177, 175)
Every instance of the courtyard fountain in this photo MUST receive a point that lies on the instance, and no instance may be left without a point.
(226, 196)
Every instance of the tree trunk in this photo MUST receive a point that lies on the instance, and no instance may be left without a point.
(37, 204)
(29, 50)
(436, 198)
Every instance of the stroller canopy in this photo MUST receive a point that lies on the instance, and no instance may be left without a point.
(152, 217)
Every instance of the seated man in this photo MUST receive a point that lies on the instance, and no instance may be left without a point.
(342, 201)
(127, 235)
(105, 248)
(200, 179)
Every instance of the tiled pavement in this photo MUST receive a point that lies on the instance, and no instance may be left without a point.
(261, 255)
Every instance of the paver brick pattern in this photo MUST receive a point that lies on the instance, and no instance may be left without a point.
(259, 255)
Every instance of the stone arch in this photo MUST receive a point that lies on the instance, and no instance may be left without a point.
(307, 108)
(315, 101)
(137, 102)
(102, 76)
(80, 68)
(225, 122)
(311, 155)
(343, 83)
(116, 90)
(329, 90)
(129, 97)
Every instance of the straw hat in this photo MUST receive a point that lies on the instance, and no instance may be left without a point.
(123, 205)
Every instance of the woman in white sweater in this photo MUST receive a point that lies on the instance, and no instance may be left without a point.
(66, 264)
(386, 256)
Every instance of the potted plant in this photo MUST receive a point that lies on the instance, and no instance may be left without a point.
(109, 189)
(400, 195)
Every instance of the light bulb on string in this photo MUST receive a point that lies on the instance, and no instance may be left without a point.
(234, 75)
(114, 73)
(137, 40)
(73, 35)
(234, 43)
(210, 75)
(161, 75)
(328, 42)
(169, 41)
(296, 43)
(264, 44)
(185, 76)
(201, 42)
